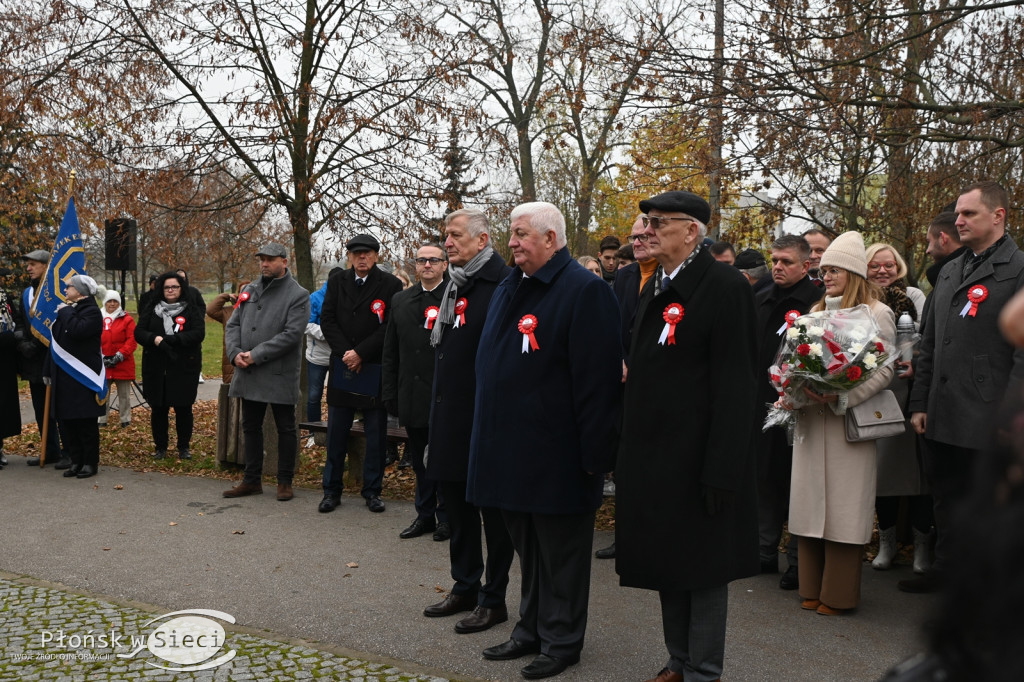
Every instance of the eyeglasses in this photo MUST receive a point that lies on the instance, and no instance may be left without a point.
(875, 267)
(831, 272)
(432, 261)
(657, 221)
(171, 288)
(639, 237)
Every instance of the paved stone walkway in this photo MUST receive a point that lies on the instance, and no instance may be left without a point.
(79, 633)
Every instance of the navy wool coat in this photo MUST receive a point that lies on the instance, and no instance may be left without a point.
(689, 422)
(78, 330)
(349, 323)
(454, 390)
(408, 356)
(546, 421)
(170, 371)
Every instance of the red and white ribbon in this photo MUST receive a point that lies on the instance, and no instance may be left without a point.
(107, 321)
(790, 319)
(431, 315)
(527, 327)
(975, 295)
(242, 298)
(179, 322)
(673, 313)
(460, 312)
(377, 308)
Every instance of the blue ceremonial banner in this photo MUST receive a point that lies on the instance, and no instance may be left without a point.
(66, 259)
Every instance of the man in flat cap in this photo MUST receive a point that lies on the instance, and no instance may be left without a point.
(32, 354)
(263, 340)
(354, 320)
(685, 474)
(753, 266)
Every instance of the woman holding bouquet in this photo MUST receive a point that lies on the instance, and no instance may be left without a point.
(899, 468)
(832, 496)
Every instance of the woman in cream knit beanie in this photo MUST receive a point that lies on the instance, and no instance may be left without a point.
(847, 252)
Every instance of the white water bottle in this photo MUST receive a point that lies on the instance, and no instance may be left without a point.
(905, 333)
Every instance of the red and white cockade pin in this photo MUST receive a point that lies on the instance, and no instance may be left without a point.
(179, 322)
(242, 298)
(975, 295)
(673, 313)
(528, 326)
(377, 308)
(460, 312)
(431, 315)
(107, 321)
(790, 319)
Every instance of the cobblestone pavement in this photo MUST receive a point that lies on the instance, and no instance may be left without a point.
(83, 637)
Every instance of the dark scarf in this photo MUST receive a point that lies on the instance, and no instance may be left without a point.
(895, 296)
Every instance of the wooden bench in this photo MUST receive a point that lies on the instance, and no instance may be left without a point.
(356, 447)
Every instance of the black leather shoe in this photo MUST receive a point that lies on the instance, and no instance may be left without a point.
(790, 580)
(547, 666)
(72, 471)
(513, 648)
(32, 461)
(481, 619)
(328, 504)
(375, 504)
(418, 528)
(922, 584)
(770, 566)
(606, 553)
(64, 463)
(87, 471)
(443, 532)
(450, 605)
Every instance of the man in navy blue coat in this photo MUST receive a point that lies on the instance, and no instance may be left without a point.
(548, 395)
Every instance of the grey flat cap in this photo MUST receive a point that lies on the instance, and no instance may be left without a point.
(362, 242)
(39, 256)
(273, 250)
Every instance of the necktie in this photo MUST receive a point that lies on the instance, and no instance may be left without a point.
(665, 281)
(359, 282)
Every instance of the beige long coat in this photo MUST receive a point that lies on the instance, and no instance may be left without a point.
(832, 495)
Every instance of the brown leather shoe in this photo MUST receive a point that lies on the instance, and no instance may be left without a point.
(243, 489)
(450, 605)
(284, 492)
(667, 675)
(481, 619)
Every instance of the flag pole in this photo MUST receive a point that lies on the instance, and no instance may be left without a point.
(45, 430)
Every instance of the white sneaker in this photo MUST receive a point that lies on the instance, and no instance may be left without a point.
(609, 489)
(201, 379)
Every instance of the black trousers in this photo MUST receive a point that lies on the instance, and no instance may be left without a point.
(465, 548)
(949, 470)
(253, 413)
(554, 554)
(159, 422)
(428, 500)
(82, 440)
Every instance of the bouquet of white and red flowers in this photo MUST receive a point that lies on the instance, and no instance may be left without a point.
(828, 352)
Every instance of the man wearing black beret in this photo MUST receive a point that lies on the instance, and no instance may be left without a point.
(354, 319)
(687, 438)
(753, 266)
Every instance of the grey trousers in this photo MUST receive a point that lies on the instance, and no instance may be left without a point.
(694, 626)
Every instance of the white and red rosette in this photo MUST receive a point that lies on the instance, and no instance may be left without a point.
(431, 314)
(242, 298)
(179, 322)
(673, 313)
(460, 312)
(527, 327)
(107, 321)
(377, 308)
(790, 319)
(975, 295)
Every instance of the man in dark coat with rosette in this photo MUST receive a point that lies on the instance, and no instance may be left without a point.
(685, 474)
(548, 394)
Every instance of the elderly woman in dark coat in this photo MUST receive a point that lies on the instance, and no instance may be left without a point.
(171, 336)
(75, 342)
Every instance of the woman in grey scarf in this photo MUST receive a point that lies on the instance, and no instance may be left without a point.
(171, 336)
